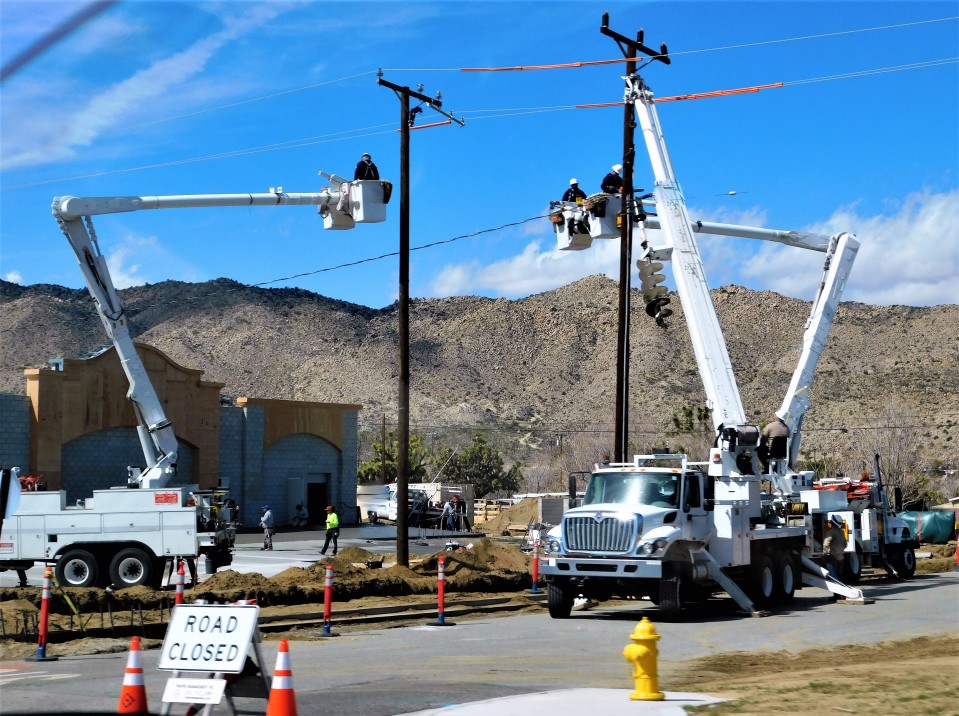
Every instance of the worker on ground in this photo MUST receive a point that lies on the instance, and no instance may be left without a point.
(574, 193)
(300, 517)
(448, 518)
(366, 169)
(613, 182)
(332, 530)
(834, 548)
(773, 429)
(266, 522)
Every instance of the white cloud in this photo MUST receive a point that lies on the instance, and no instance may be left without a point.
(534, 270)
(118, 103)
(908, 258)
(13, 277)
(129, 258)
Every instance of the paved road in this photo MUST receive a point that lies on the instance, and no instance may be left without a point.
(408, 670)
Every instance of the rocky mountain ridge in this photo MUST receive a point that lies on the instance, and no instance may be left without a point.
(531, 368)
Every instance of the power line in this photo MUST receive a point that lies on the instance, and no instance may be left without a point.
(139, 307)
(491, 114)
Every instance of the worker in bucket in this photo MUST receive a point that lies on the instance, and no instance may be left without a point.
(366, 169)
(574, 193)
(834, 547)
(613, 182)
(332, 530)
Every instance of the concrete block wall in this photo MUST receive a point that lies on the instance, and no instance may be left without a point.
(298, 457)
(15, 431)
(98, 461)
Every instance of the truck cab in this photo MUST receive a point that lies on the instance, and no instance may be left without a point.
(633, 518)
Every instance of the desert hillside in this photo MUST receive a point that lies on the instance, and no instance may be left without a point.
(527, 370)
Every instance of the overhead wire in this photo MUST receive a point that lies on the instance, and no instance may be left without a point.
(139, 307)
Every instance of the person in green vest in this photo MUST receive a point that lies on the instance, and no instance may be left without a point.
(332, 530)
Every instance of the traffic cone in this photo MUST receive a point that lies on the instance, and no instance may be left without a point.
(133, 694)
(282, 697)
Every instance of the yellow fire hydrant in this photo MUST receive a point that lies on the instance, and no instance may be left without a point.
(642, 653)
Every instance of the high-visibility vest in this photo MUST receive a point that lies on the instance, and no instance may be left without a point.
(332, 521)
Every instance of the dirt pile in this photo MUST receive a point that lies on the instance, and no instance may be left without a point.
(485, 566)
(522, 513)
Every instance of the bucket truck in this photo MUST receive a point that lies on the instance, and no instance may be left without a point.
(742, 521)
(126, 535)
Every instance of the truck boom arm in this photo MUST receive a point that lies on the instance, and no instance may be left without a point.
(709, 346)
(157, 438)
(839, 260)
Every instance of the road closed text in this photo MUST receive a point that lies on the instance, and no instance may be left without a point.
(208, 638)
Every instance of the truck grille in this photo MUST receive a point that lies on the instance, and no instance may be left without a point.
(600, 533)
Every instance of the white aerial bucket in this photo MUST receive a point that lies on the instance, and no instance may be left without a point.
(603, 211)
(565, 240)
(367, 200)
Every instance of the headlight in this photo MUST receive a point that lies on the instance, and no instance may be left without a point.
(648, 548)
(552, 545)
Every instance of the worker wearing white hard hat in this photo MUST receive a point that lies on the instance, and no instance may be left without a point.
(366, 169)
(613, 182)
(574, 193)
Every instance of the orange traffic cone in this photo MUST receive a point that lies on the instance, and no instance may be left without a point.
(282, 697)
(133, 694)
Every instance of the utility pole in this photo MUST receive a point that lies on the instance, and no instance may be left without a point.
(629, 49)
(403, 312)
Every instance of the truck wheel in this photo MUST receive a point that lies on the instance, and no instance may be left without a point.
(763, 578)
(131, 567)
(854, 566)
(786, 578)
(77, 568)
(906, 563)
(670, 592)
(559, 599)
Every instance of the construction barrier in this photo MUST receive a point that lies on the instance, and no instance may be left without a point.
(42, 627)
(282, 697)
(179, 584)
(328, 601)
(133, 693)
(535, 588)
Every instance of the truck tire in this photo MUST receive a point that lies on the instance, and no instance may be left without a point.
(559, 599)
(853, 566)
(905, 563)
(787, 576)
(762, 574)
(670, 592)
(131, 567)
(77, 568)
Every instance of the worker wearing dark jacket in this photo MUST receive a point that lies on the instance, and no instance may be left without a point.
(613, 182)
(366, 169)
(332, 530)
(574, 193)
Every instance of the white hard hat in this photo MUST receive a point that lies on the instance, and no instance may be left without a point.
(617, 168)
(836, 520)
(366, 155)
(573, 181)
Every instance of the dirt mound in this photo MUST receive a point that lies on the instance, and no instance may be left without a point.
(522, 513)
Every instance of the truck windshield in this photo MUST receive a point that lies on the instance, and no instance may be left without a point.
(644, 488)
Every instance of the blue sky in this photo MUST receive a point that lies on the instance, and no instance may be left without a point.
(153, 98)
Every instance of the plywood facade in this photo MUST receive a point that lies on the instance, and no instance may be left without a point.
(90, 395)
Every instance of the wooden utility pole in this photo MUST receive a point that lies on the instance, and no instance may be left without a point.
(403, 314)
(630, 48)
